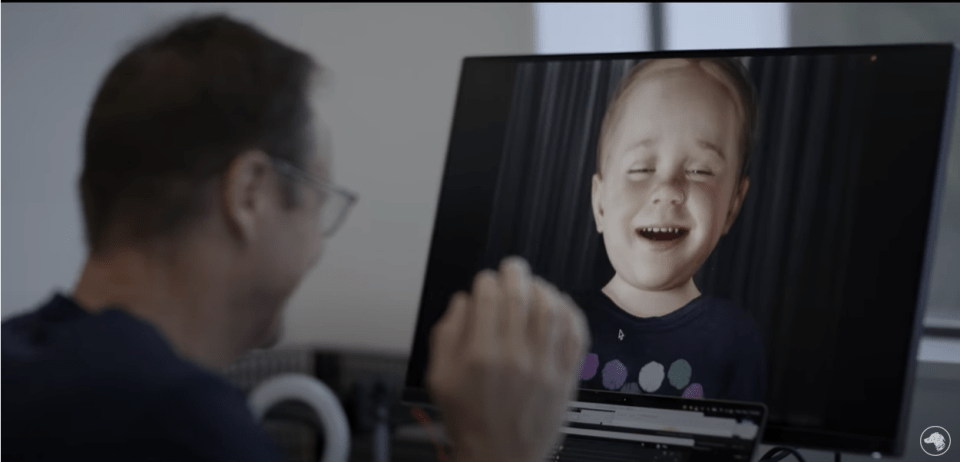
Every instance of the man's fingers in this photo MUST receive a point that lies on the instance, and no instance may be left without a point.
(543, 322)
(562, 341)
(569, 343)
(514, 333)
(577, 341)
(484, 316)
(515, 281)
(517, 287)
(449, 331)
(446, 338)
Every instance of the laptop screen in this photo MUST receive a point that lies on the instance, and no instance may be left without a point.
(616, 427)
(737, 225)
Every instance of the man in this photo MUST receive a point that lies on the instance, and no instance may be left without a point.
(206, 197)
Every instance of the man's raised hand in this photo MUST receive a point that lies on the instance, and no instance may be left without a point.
(503, 365)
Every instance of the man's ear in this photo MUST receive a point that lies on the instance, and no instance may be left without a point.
(596, 200)
(736, 204)
(247, 192)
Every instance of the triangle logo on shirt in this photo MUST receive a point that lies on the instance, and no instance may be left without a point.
(620, 335)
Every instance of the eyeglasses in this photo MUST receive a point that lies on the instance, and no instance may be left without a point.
(337, 201)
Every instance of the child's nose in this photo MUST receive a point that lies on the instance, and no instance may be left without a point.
(669, 191)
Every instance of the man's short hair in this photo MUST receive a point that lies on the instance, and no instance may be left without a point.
(744, 91)
(175, 110)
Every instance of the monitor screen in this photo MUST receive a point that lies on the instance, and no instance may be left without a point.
(751, 226)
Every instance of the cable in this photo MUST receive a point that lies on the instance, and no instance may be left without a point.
(424, 420)
(779, 453)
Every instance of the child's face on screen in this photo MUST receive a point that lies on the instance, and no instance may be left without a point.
(669, 185)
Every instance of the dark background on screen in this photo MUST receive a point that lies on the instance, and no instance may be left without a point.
(826, 253)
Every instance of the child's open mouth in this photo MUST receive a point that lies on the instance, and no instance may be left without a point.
(662, 234)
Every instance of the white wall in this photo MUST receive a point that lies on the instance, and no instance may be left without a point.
(395, 70)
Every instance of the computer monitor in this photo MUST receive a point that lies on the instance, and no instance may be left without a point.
(746, 225)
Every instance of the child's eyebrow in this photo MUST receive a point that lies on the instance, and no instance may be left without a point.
(643, 143)
(712, 147)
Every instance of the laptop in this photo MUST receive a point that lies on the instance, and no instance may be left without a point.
(615, 427)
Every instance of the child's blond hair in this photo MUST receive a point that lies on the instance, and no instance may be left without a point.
(731, 68)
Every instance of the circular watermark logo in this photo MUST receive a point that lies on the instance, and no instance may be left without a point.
(935, 441)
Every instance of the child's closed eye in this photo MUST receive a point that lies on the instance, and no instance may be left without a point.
(697, 171)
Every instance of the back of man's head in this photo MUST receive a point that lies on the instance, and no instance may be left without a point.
(172, 114)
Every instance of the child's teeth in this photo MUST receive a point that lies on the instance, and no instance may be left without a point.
(662, 230)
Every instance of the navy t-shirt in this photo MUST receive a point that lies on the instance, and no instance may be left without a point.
(709, 349)
(108, 387)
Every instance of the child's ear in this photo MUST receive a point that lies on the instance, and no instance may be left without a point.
(596, 201)
(736, 204)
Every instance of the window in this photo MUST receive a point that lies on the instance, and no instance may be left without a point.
(623, 27)
(692, 26)
(567, 28)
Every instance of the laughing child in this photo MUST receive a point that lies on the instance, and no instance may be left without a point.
(671, 177)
